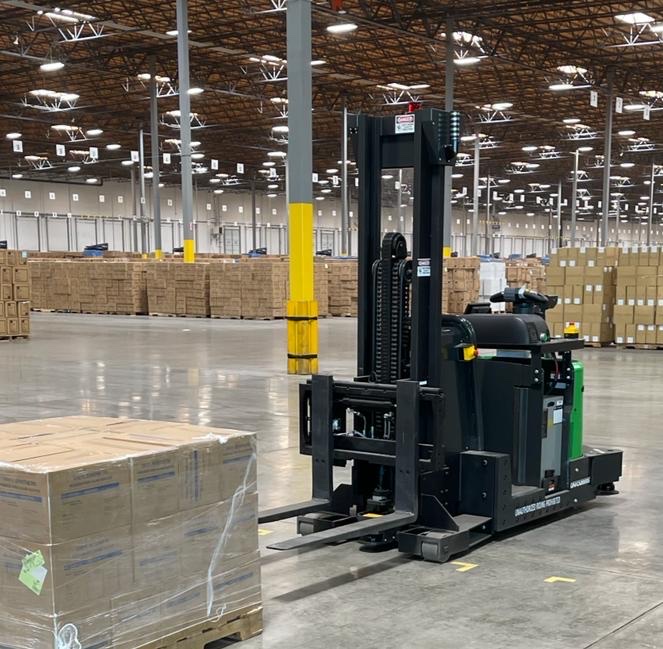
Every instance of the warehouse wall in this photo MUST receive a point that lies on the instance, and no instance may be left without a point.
(60, 216)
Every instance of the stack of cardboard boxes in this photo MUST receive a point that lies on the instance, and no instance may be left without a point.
(174, 288)
(584, 281)
(264, 288)
(225, 297)
(343, 287)
(115, 533)
(460, 283)
(89, 286)
(15, 294)
(530, 273)
(638, 314)
(111, 287)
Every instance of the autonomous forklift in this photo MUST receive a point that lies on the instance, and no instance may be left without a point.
(456, 428)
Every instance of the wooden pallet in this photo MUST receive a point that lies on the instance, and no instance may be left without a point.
(52, 310)
(641, 346)
(225, 317)
(177, 315)
(15, 337)
(599, 345)
(239, 625)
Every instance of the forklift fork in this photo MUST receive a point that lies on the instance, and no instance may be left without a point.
(406, 505)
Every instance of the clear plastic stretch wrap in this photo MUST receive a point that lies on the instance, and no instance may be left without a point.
(116, 533)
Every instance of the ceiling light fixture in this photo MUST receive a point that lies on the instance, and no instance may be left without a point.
(626, 133)
(634, 18)
(277, 154)
(73, 169)
(342, 28)
(466, 60)
(92, 181)
(196, 90)
(94, 132)
(571, 69)
(571, 120)
(113, 147)
(562, 85)
(13, 136)
(127, 163)
(51, 66)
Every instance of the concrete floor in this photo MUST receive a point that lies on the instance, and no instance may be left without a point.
(230, 373)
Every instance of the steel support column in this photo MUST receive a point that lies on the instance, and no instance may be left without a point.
(141, 208)
(474, 249)
(448, 106)
(254, 216)
(607, 155)
(650, 220)
(488, 250)
(574, 197)
(345, 206)
(302, 306)
(559, 217)
(154, 143)
(185, 130)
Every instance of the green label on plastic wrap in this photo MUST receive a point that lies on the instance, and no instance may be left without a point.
(33, 573)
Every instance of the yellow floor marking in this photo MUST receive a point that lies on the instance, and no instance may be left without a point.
(370, 515)
(554, 580)
(264, 532)
(464, 567)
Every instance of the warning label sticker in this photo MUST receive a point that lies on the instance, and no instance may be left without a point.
(404, 124)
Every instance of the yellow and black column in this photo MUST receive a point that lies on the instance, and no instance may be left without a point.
(302, 306)
(185, 130)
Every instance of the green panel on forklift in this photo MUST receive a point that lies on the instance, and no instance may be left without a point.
(575, 428)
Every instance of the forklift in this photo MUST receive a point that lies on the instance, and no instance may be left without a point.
(447, 446)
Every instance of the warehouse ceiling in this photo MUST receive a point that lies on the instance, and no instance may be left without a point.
(525, 71)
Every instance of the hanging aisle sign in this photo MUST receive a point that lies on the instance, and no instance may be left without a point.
(594, 99)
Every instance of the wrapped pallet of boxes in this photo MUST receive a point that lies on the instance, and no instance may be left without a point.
(460, 283)
(122, 533)
(584, 281)
(174, 288)
(321, 287)
(264, 288)
(15, 294)
(638, 311)
(528, 273)
(112, 287)
(343, 287)
(225, 294)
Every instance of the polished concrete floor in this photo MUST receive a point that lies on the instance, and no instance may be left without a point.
(230, 373)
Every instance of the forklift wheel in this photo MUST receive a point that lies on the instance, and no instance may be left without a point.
(434, 552)
(607, 489)
(305, 528)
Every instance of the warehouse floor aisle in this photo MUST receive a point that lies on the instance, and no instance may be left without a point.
(230, 373)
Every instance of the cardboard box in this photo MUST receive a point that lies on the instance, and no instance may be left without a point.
(644, 315)
(641, 334)
(13, 327)
(21, 292)
(51, 494)
(6, 292)
(630, 334)
(651, 334)
(659, 334)
(21, 275)
(623, 314)
(20, 629)
(11, 309)
(80, 573)
(24, 325)
(601, 333)
(620, 334)
(572, 313)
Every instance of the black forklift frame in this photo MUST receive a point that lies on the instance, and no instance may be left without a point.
(432, 462)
